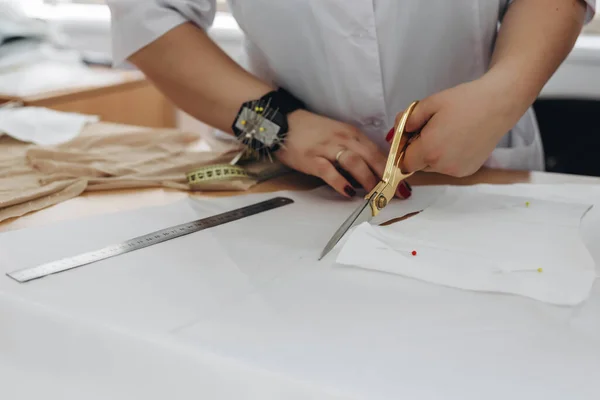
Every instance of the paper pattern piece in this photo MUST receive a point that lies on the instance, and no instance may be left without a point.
(43, 126)
(473, 240)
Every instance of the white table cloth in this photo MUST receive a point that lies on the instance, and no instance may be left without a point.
(244, 310)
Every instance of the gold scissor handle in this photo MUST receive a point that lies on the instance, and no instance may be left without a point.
(381, 194)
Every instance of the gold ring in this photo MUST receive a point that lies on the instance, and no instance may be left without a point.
(338, 155)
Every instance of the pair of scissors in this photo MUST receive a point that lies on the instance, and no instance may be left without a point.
(381, 195)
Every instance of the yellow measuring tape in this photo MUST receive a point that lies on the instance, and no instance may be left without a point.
(216, 172)
(221, 173)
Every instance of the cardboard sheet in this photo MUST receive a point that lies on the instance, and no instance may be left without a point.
(245, 310)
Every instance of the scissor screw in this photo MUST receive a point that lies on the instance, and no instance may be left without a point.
(381, 202)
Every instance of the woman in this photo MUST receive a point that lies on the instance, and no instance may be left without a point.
(349, 67)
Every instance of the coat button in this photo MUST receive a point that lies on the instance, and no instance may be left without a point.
(372, 122)
(362, 33)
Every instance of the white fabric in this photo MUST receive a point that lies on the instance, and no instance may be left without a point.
(245, 310)
(41, 125)
(474, 240)
(357, 61)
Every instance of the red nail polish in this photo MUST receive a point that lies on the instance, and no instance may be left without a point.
(390, 135)
(404, 191)
(350, 191)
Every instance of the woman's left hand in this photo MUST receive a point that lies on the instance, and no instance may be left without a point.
(460, 127)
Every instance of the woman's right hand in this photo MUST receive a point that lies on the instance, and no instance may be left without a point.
(314, 141)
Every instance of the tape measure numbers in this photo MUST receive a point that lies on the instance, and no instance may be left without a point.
(40, 271)
(223, 172)
(216, 173)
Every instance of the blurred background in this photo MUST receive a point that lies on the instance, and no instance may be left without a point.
(56, 54)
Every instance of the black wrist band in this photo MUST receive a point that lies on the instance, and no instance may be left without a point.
(284, 100)
(262, 124)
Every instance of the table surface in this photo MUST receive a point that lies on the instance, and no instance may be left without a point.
(82, 344)
(122, 78)
(93, 203)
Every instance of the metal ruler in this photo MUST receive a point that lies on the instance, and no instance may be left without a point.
(40, 271)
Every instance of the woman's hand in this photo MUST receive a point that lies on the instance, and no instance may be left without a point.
(460, 127)
(314, 142)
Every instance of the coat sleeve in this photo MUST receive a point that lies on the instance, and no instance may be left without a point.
(591, 10)
(137, 23)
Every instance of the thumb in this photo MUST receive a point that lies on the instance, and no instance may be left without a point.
(422, 112)
(414, 157)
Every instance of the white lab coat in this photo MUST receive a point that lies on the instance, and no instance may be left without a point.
(357, 61)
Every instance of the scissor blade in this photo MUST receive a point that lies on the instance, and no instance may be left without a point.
(362, 214)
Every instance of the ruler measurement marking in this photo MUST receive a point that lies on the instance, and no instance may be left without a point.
(140, 242)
